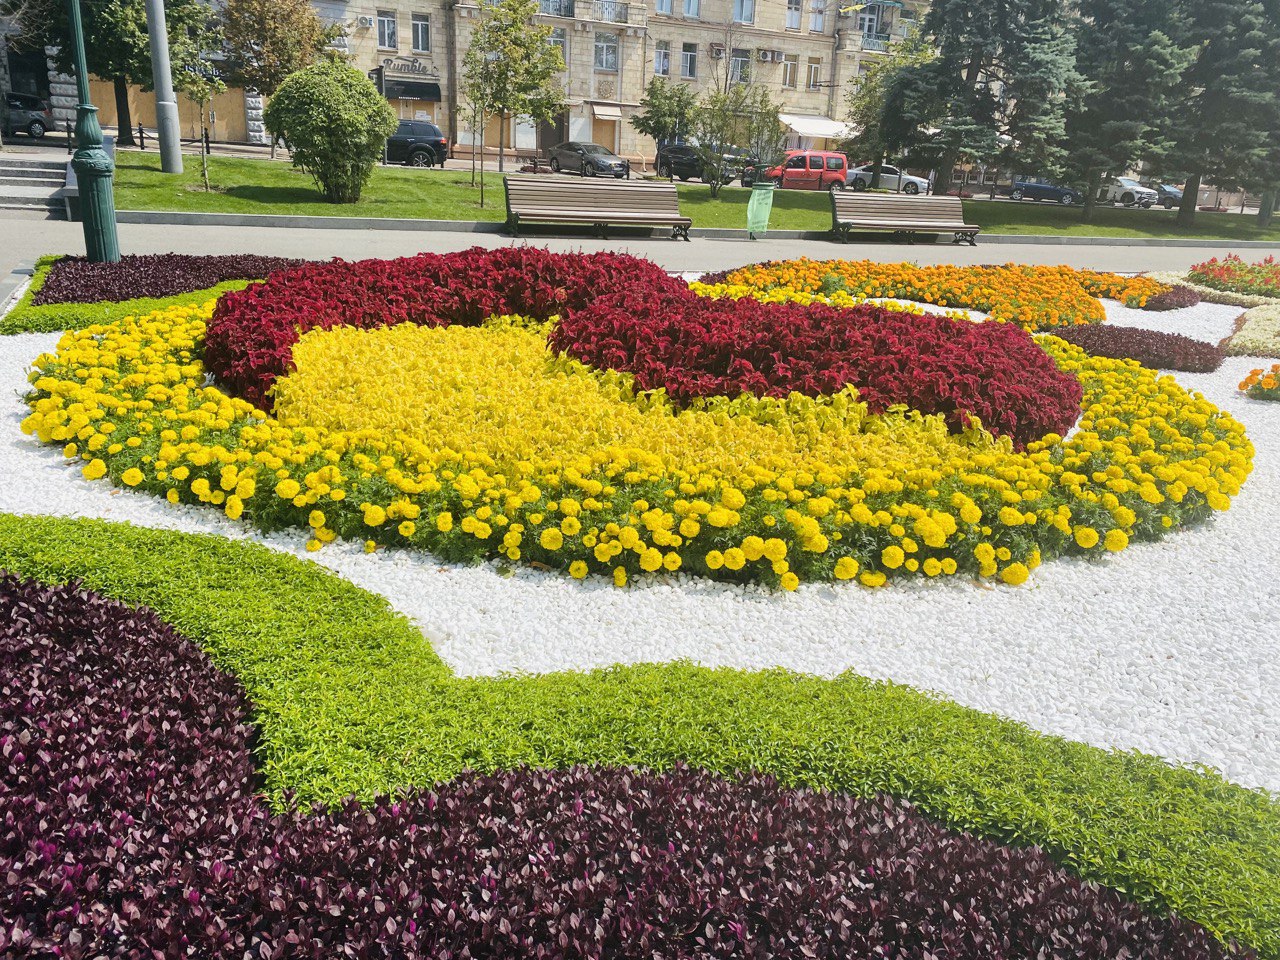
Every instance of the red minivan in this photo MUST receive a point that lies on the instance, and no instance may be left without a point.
(811, 170)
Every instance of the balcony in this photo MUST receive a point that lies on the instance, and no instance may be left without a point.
(556, 8)
(875, 42)
(610, 11)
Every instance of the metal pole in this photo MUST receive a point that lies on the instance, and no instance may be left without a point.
(168, 130)
(91, 163)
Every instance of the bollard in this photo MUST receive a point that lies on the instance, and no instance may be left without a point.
(142, 137)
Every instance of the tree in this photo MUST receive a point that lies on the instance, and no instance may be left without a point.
(117, 47)
(741, 116)
(666, 112)
(511, 67)
(865, 101)
(1132, 55)
(1229, 98)
(266, 40)
(336, 122)
(997, 88)
(199, 78)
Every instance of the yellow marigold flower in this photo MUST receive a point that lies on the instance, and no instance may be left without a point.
(94, 469)
(734, 559)
(70, 451)
(234, 507)
(172, 495)
(551, 539)
(719, 517)
(406, 528)
(629, 537)
(892, 557)
(671, 561)
(131, 477)
(288, 489)
(444, 521)
(313, 545)
(370, 546)
(931, 567)
(315, 518)
(715, 560)
(1014, 574)
(733, 498)
(651, 560)
(570, 526)
(689, 527)
(619, 576)
(775, 549)
(1116, 540)
(753, 548)
(374, 515)
(1086, 537)
(872, 578)
(846, 568)
(578, 569)
(949, 565)
(789, 581)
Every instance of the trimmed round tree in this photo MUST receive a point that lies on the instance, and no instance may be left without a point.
(334, 120)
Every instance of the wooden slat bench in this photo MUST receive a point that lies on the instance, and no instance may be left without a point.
(599, 203)
(904, 216)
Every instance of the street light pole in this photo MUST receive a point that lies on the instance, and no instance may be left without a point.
(91, 163)
(162, 79)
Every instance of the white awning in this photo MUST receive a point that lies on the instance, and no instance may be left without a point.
(819, 128)
(604, 112)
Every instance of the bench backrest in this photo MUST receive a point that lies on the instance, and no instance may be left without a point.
(892, 208)
(530, 194)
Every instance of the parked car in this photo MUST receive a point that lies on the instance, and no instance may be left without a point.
(891, 178)
(27, 114)
(589, 159)
(683, 160)
(1037, 188)
(417, 143)
(810, 170)
(1167, 195)
(1128, 191)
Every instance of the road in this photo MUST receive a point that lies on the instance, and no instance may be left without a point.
(23, 238)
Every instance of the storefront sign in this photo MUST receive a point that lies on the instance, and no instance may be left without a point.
(410, 67)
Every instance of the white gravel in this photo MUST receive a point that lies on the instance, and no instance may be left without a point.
(1210, 322)
(1167, 648)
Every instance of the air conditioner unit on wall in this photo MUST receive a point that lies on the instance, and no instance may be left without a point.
(364, 22)
(717, 51)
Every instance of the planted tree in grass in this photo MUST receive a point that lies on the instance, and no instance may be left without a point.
(865, 103)
(336, 122)
(741, 116)
(666, 112)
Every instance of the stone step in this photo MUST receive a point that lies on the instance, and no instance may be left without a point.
(10, 179)
(37, 169)
(27, 202)
(37, 213)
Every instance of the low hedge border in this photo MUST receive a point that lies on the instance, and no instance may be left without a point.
(1258, 334)
(351, 699)
(27, 317)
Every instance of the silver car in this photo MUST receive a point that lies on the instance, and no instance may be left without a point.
(859, 178)
(27, 114)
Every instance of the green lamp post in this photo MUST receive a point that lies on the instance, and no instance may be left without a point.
(91, 163)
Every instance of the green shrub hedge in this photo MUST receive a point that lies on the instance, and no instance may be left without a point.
(27, 317)
(351, 699)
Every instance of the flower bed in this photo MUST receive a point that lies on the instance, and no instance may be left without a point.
(1259, 333)
(1263, 384)
(1176, 297)
(1035, 298)
(1234, 274)
(77, 280)
(350, 699)
(1159, 351)
(604, 862)
(487, 451)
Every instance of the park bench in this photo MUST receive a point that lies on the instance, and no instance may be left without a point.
(594, 202)
(903, 216)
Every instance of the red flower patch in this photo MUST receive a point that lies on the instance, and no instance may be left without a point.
(698, 347)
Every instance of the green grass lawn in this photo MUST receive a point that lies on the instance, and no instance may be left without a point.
(259, 186)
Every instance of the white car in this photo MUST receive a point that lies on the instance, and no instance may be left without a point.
(1128, 191)
(859, 178)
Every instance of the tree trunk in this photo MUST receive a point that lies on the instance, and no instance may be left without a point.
(1190, 200)
(1090, 196)
(124, 118)
(877, 168)
(1266, 207)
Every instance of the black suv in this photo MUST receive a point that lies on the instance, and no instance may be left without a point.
(28, 114)
(679, 160)
(417, 143)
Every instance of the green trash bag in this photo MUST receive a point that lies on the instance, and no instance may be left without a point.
(758, 208)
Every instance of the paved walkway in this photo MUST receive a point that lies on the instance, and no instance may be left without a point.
(23, 238)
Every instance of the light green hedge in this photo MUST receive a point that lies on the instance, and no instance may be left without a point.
(27, 317)
(350, 699)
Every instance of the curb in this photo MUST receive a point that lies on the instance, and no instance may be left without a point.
(286, 221)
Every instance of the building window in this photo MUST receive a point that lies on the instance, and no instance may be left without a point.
(387, 39)
(739, 66)
(607, 51)
(790, 70)
(662, 59)
(693, 8)
(662, 6)
(689, 61)
(795, 9)
(744, 11)
(560, 39)
(422, 33)
(818, 16)
(869, 21)
(814, 78)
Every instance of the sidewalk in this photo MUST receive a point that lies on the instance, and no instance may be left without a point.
(25, 238)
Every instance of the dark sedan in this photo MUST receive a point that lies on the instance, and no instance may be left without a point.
(588, 159)
(1167, 195)
(679, 160)
(417, 143)
(1034, 188)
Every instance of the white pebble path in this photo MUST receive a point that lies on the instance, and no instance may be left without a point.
(1168, 648)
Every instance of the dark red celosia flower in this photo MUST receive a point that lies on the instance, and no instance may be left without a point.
(129, 827)
(698, 347)
(251, 335)
(76, 280)
(1160, 351)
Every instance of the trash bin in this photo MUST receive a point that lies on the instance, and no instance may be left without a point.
(758, 208)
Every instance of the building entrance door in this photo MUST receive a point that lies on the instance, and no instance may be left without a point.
(549, 134)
